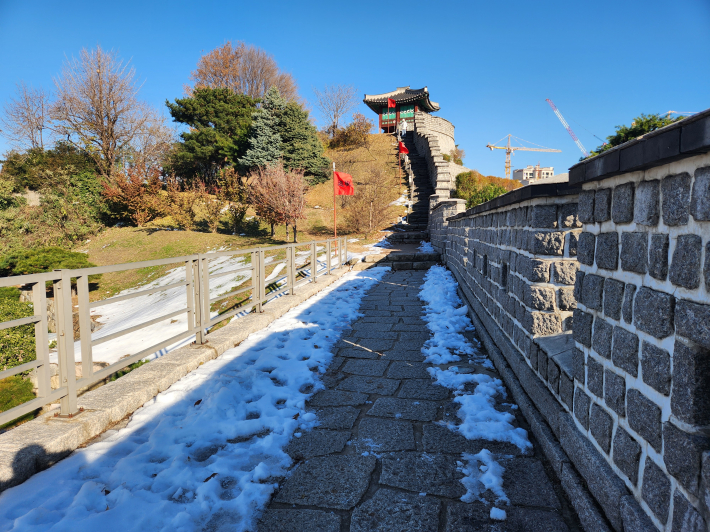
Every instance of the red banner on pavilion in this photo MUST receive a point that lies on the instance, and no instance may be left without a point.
(391, 103)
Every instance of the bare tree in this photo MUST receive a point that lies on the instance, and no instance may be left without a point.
(244, 69)
(98, 109)
(278, 196)
(334, 102)
(25, 118)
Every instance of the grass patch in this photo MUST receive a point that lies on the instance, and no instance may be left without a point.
(15, 391)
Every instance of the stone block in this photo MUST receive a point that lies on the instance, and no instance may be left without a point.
(690, 401)
(389, 435)
(607, 252)
(585, 248)
(317, 443)
(565, 272)
(572, 240)
(337, 418)
(634, 252)
(547, 243)
(370, 368)
(675, 190)
(581, 407)
(627, 452)
(656, 490)
(622, 209)
(700, 201)
(595, 377)
(654, 312)
(646, 210)
(568, 216)
(685, 266)
(543, 216)
(422, 389)
(540, 298)
(656, 367)
(391, 510)
(585, 208)
(281, 521)
(706, 268)
(403, 408)
(538, 271)
(567, 390)
(692, 320)
(602, 338)
(644, 417)
(583, 327)
(682, 454)
(578, 283)
(586, 508)
(565, 299)
(658, 257)
(615, 392)
(544, 324)
(627, 308)
(613, 298)
(634, 517)
(602, 205)
(601, 426)
(624, 352)
(337, 398)
(592, 290)
(368, 385)
(685, 517)
(553, 375)
(423, 473)
(528, 484)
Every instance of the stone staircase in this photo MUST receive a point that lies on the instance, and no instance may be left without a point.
(400, 261)
(421, 186)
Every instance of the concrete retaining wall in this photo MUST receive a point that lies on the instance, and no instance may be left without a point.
(597, 296)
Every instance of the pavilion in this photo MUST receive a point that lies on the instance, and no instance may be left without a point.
(409, 101)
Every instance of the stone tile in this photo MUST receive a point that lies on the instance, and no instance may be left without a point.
(328, 481)
(685, 517)
(656, 367)
(440, 439)
(601, 425)
(354, 352)
(371, 368)
(423, 473)
(526, 484)
(690, 401)
(682, 454)
(407, 327)
(317, 443)
(656, 490)
(369, 334)
(408, 370)
(646, 211)
(390, 511)
(675, 190)
(644, 417)
(337, 418)
(634, 252)
(613, 298)
(422, 389)
(601, 339)
(627, 308)
(404, 409)
(473, 517)
(685, 265)
(622, 209)
(658, 257)
(607, 253)
(380, 435)
(533, 520)
(362, 384)
(693, 322)
(297, 520)
(337, 398)
(367, 327)
(374, 344)
(626, 454)
(654, 312)
(624, 353)
(615, 392)
(404, 354)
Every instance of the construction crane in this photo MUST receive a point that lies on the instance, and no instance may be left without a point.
(510, 150)
(681, 113)
(569, 129)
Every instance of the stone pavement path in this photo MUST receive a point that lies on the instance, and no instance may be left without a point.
(381, 459)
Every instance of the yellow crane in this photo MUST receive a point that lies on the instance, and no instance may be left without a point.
(510, 150)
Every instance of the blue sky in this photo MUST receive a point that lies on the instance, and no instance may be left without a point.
(490, 65)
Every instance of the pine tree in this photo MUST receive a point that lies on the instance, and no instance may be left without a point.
(265, 143)
(302, 149)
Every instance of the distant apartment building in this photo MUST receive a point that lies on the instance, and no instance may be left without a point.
(533, 173)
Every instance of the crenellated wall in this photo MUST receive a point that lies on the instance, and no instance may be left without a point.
(434, 136)
(597, 294)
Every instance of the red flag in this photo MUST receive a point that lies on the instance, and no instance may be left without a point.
(344, 184)
(403, 148)
(391, 103)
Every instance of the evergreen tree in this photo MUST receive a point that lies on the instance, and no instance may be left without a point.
(219, 122)
(264, 140)
(302, 149)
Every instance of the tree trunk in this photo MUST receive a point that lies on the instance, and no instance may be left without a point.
(286, 232)
(294, 234)
(273, 231)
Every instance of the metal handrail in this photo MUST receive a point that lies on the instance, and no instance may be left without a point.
(332, 253)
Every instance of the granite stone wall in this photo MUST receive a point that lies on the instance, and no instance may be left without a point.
(599, 299)
(432, 137)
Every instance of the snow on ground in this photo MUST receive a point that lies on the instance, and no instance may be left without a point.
(426, 247)
(128, 313)
(210, 446)
(447, 319)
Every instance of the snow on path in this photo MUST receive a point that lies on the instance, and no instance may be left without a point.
(131, 312)
(447, 318)
(210, 445)
(425, 247)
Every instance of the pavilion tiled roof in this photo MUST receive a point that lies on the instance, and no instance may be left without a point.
(403, 96)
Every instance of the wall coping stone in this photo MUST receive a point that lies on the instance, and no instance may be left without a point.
(679, 140)
(40, 443)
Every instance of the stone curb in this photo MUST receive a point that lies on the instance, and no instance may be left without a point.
(38, 444)
(590, 515)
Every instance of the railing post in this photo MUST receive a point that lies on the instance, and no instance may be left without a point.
(327, 260)
(39, 303)
(204, 301)
(345, 249)
(262, 278)
(87, 358)
(65, 343)
(291, 265)
(314, 262)
(194, 317)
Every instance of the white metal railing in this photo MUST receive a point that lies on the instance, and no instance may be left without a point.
(301, 267)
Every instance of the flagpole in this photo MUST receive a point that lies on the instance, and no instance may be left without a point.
(335, 219)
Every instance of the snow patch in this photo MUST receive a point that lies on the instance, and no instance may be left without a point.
(482, 472)
(425, 247)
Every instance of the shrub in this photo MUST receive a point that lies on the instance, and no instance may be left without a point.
(476, 188)
(135, 195)
(182, 201)
(17, 344)
(10, 292)
(355, 135)
(42, 260)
